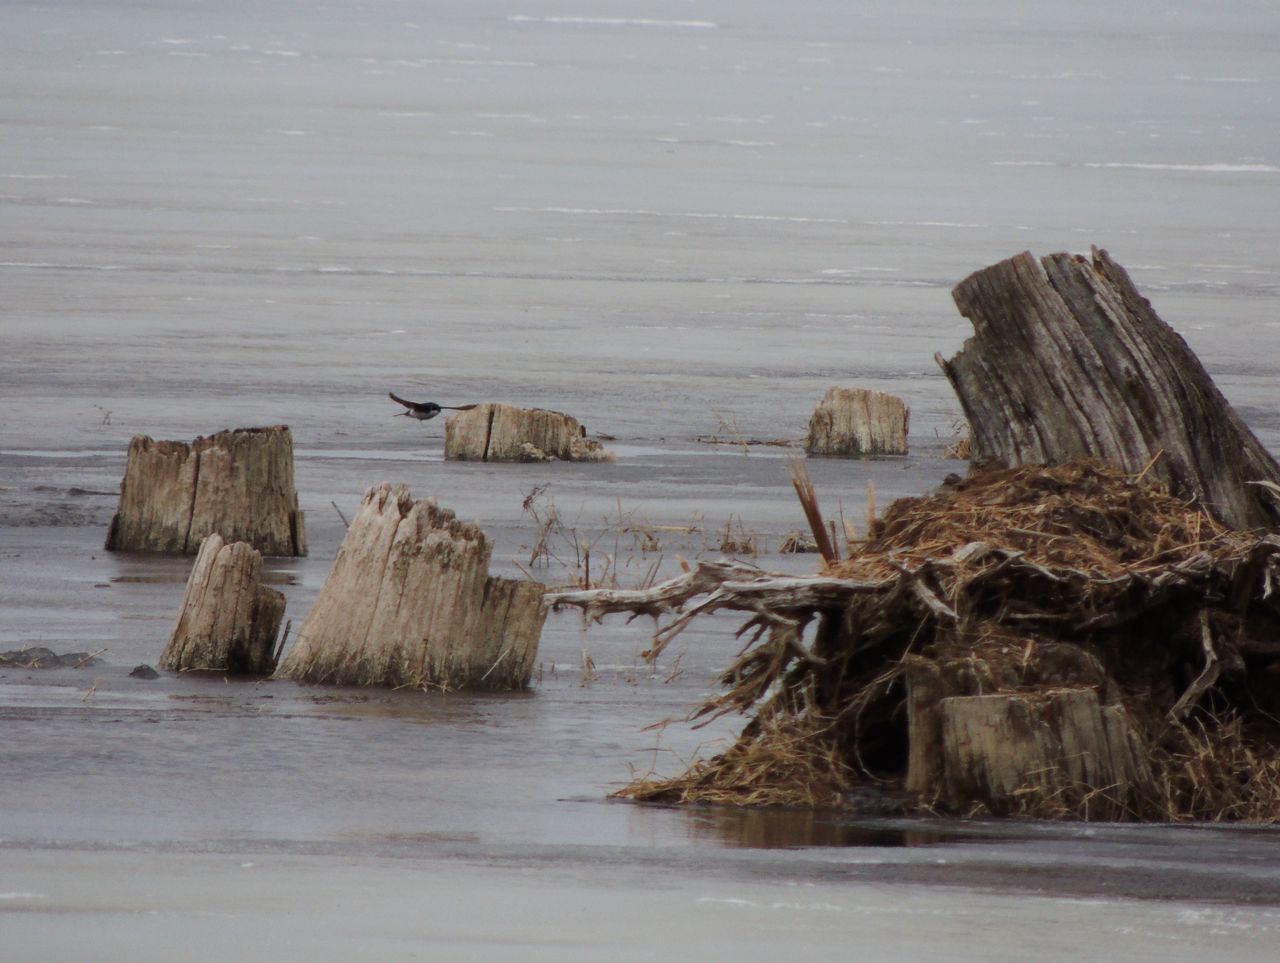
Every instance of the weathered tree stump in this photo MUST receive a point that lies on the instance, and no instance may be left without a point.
(506, 433)
(931, 682)
(229, 620)
(851, 422)
(1056, 752)
(236, 483)
(1068, 360)
(409, 602)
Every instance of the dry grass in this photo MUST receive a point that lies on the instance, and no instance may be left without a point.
(792, 764)
(1215, 769)
(960, 443)
(595, 555)
(1081, 518)
(794, 543)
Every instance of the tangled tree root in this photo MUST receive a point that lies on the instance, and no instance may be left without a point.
(1024, 582)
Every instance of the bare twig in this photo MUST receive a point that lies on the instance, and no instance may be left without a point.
(345, 523)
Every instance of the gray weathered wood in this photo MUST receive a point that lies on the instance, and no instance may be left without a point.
(851, 422)
(925, 760)
(1056, 750)
(1068, 360)
(495, 432)
(236, 483)
(409, 601)
(228, 620)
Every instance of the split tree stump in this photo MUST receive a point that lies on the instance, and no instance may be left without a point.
(1068, 360)
(236, 483)
(852, 422)
(229, 620)
(409, 602)
(495, 432)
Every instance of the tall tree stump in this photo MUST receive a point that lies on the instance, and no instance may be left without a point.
(1060, 752)
(409, 602)
(236, 483)
(229, 620)
(494, 432)
(1068, 360)
(852, 422)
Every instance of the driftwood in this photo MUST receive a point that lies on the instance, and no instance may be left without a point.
(495, 432)
(1016, 584)
(1069, 361)
(229, 620)
(409, 602)
(851, 422)
(238, 484)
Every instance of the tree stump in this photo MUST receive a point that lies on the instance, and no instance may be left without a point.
(1068, 360)
(229, 620)
(236, 483)
(1056, 753)
(506, 433)
(409, 602)
(931, 681)
(852, 422)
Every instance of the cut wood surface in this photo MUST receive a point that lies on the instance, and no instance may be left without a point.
(1068, 360)
(409, 601)
(495, 432)
(1012, 753)
(238, 484)
(851, 422)
(228, 620)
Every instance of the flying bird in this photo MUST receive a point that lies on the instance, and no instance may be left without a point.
(425, 410)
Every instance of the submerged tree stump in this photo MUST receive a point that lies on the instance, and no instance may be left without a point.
(409, 602)
(236, 483)
(851, 422)
(495, 432)
(1068, 360)
(1056, 752)
(229, 620)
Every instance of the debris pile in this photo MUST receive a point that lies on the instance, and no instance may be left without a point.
(1031, 584)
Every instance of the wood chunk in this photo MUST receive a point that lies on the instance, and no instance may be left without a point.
(236, 483)
(925, 691)
(228, 620)
(852, 422)
(1060, 751)
(495, 432)
(409, 602)
(1068, 360)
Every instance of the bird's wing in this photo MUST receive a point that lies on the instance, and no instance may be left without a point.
(407, 404)
(460, 407)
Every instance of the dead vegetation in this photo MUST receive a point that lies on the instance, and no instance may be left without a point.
(958, 444)
(621, 546)
(728, 435)
(1022, 581)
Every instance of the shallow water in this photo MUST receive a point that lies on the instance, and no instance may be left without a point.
(671, 219)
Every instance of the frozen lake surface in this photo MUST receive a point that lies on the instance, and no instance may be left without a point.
(670, 219)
